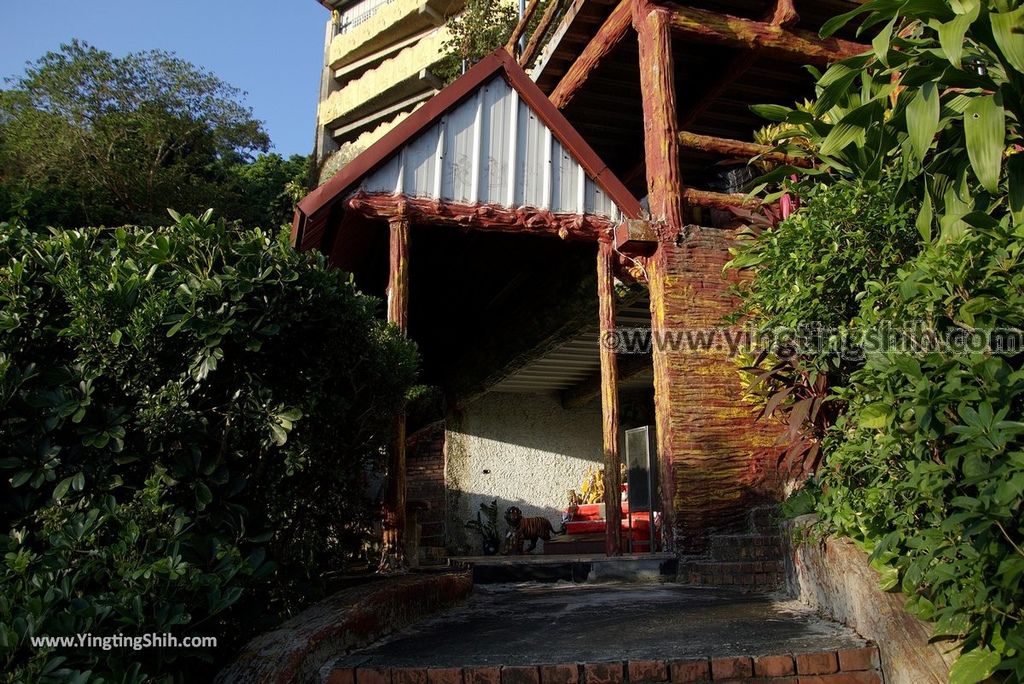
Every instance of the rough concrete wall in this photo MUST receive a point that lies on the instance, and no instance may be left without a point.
(833, 577)
(721, 462)
(534, 450)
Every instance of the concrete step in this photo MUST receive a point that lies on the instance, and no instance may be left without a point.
(743, 575)
(746, 547)
(615, 633)
(641, 567)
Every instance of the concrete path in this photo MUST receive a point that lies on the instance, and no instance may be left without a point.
(551, 623)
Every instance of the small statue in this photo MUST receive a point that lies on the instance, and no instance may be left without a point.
(522, 529)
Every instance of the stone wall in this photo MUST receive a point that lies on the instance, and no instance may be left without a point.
(425, 492)
(722, 462)
(833, 576)
(524, 450)
(352, 618)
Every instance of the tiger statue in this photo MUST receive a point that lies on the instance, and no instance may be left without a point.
(521, 529)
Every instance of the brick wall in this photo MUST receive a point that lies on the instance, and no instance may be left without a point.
(848, 666)
(721, 462)
(425, 481)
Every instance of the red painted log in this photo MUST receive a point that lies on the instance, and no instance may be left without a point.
(522, 220)
(609, 398)
(517, 32)
(772, 41)
(728, 147)
(719, 200)
(599, 47)
(393, 557)
(665, 195)
(539, 32)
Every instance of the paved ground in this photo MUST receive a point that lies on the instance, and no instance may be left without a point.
(526, 624)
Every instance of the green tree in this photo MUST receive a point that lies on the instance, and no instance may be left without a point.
(483, 27)
(264, 192)
(87, 138)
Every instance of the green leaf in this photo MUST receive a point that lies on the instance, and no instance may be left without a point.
(115, 337)
(771, 112)
(62, 488)
(985, 130)
(203, 495)
(851, 128)
(1008, 30)
(951, 34)
(923, 119)
(880, 43)
(974, 666)
(876, 416)
(925, 217)
(888, 579)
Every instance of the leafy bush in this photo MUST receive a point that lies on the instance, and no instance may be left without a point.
(925, 467)
(186, 416)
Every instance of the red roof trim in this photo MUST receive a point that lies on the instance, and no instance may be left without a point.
(498, 61)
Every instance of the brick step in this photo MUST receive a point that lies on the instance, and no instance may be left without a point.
(746, 575)
(746, 547)
(845, 666)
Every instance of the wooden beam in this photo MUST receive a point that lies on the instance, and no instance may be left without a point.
(609, 399)
(523, 220)
(393, 556)
(585, 391)
(719, 200)
(728, 147)
(777, 42)
(538, 33)
(599, 47)
(667, 204)
(517, 32)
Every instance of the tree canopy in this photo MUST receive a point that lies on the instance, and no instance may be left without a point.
(90, 138)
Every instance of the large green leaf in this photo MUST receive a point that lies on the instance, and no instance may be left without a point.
(974, 666)
(877, 415)
(985, 130)
(851, 128)
(923, 119)
(1008, 30)
(951, 34)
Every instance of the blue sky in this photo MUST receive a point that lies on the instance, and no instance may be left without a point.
(272, 49)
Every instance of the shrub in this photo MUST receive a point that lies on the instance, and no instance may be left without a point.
(186, 417)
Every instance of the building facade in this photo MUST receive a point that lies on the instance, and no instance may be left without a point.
(378, 56)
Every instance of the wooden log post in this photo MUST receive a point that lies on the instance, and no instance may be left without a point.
(393, 557)
(539, 32)
(609, 398)
(665, 188)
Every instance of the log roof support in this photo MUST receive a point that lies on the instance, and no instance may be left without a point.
(769, 39)
(393, 553)
(667, 205)
(609, 398)
(522, 220)
(728, 147)
(599, 47)
(539, 32)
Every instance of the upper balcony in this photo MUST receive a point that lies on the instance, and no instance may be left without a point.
(373, 30)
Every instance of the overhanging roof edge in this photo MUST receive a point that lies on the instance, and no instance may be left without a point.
(499, 61)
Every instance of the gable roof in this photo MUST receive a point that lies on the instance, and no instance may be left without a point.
(313, 212)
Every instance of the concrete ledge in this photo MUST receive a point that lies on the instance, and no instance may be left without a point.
(655, 567)
(834, 578)
(350, 619)
(844, 666)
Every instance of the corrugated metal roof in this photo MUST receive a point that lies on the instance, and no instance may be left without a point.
(491, 149)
